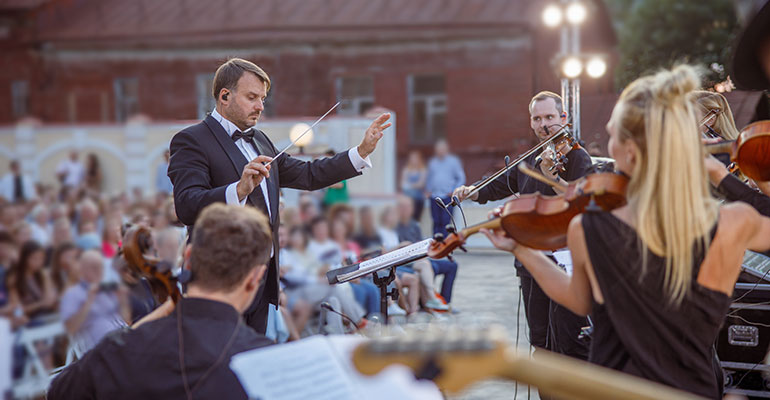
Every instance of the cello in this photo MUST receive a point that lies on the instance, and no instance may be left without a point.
(137, 246)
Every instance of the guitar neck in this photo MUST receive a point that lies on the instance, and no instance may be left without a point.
(565, 377)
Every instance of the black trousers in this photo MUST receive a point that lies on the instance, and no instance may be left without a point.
(551, 326)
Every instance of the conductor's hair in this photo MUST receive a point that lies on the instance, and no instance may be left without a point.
(228, 243)
(230, 72)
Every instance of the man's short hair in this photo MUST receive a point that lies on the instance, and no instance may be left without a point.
(545, 94)
(228, 243)
(230, 72)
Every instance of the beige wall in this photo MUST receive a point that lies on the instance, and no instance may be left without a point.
(129, 154)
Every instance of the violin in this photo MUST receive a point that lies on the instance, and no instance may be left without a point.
(560, 148)
(539, 221)
(137, 243)
(750, 152)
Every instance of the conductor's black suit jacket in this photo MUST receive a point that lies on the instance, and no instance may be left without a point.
(205, 160)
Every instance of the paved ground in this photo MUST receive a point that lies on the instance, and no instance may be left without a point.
(487, 290)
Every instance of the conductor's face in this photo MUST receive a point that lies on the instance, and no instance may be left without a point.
(245, 104)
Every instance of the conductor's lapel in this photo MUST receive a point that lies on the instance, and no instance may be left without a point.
(236, 157)
(265, 148)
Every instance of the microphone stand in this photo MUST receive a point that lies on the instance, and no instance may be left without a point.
(328, 307)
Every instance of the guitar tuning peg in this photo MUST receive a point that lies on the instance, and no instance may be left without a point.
(449, 257)
(450, 228)
(439, 237)
(463, 248)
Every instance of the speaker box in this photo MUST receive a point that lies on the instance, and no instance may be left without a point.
(744, 339)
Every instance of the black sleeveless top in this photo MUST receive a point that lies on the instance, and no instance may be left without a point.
(637, 330)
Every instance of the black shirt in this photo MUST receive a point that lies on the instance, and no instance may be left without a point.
(735, 190)
(577, 166)
(144, 363)
(637, 330)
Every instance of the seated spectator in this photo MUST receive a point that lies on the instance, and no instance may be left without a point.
(367, 236)
(328, 252)
(89, 238)
(365, 291)
(34, 284)
(62, 232)
(111, 236)
(91, 309)
(306, 281)
(40, 228)
(10, 306)
(63, 266)
(409, 231)
(22, 232)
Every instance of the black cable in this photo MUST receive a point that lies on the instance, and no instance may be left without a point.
(507, 174)
(441, 204)
(753, 287)
(456, 200)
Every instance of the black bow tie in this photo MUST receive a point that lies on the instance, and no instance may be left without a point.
(247, 136)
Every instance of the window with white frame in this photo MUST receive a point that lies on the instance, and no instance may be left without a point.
(356, 94)
(126, 98)
(19, 98)
(427, 107)
(203, 89)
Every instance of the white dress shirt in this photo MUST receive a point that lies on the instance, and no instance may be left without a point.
(250, 152)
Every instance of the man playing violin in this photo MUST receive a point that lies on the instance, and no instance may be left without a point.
(184, 351)
(551, 326)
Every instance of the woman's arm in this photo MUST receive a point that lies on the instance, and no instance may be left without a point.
(573, 292)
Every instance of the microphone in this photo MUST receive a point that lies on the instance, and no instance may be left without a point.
(328, 307)
(441, 202)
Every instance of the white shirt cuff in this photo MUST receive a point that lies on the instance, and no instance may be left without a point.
(231, 195)
(358, 163)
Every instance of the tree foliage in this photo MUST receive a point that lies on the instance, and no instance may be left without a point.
(656, 34)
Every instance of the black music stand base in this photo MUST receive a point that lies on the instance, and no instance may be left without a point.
(382, 283)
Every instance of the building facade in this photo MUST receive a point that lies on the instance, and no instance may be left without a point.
(463, 70)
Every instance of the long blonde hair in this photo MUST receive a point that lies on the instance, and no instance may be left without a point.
(724, 124)
(668, 192)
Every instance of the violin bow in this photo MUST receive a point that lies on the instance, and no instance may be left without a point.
(556, 135)
(303, 133)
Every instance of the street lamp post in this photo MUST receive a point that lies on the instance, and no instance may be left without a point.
(571, 62)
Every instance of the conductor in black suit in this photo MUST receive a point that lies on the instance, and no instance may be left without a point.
(222, 159)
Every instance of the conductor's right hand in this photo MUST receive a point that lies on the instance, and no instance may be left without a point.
(462, 193)
(252, 176)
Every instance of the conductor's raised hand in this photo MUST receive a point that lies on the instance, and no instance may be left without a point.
(252, 176)
(373, 135)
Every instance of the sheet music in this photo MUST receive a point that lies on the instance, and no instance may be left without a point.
(411, 252)
(319, 368)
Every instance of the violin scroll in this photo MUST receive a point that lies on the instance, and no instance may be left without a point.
(137, 244)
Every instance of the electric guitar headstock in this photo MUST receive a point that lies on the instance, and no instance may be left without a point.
(455, 357)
